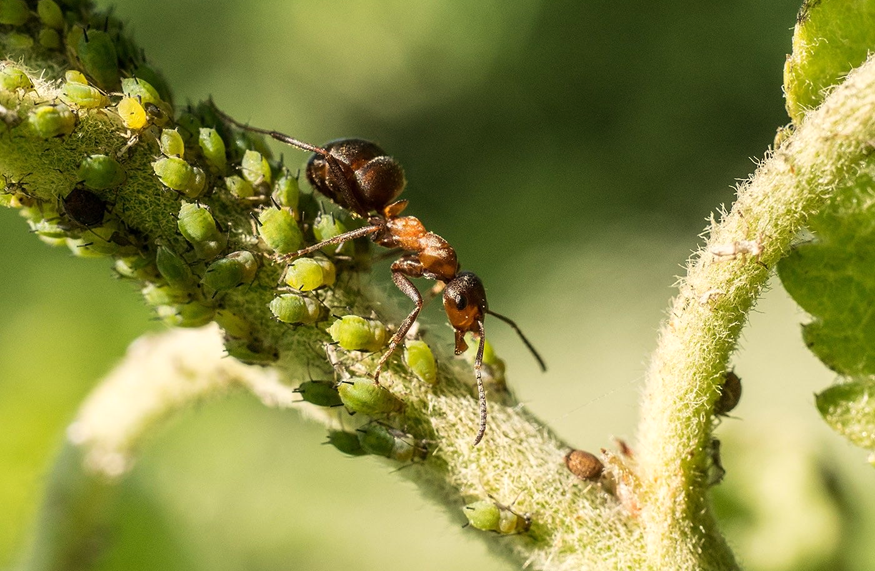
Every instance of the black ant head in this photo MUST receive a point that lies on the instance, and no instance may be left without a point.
(374, 178)
(466, 306)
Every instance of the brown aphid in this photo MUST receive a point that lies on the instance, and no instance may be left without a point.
(730, 394)
(718, 472)
(359, 176)
(84, 207)
(584, 465)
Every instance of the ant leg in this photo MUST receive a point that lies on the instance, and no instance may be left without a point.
(351, 235)
(410, 266)
(333, 163)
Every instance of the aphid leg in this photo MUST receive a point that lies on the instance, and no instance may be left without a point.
(411, 266)
(481, 392)
(348, 195)
(523, 337)
(351, 235)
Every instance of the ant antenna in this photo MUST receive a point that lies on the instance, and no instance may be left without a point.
(333, 163)
(519, 332)
(481, 392)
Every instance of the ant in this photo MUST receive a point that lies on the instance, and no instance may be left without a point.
(357, 175)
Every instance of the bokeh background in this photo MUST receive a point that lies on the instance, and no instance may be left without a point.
(570, 151)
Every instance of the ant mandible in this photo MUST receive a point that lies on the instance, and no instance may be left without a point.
(357, 175)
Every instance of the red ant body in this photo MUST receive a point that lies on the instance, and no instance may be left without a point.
(358, 176)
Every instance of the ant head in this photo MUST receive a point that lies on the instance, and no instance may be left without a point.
(374, 178)
(466, 306)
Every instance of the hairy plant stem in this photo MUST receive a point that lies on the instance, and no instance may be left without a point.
(707, 316)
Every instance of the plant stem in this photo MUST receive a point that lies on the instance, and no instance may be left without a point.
(706, 318)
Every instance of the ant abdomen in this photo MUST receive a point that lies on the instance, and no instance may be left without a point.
(373, 178)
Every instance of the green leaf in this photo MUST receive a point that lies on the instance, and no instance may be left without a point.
(832, 276)
(831, 38)
(849, 408)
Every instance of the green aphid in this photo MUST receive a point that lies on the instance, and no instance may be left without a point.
(198, 226)
(174, 173)
(231, 271)
(75, 76)
(12, 78)
(50, 121)
(328, 226)
(14, 12)
(171, 143)
(83, 96)
(346, 442)
(239, 187)
(286, 191)
(140, 90)
(50, 14)
(154, 79)
(249, 351)
(233, 324)
(188, 125)
(96, 53)
(17, 42)
(192, 314)
(255, 168)
(48, 228)
(165, 295)
(213, 148)
(492, 516)
(197, 184)
(381, 440)
(362, 394)
(320, 393)
(173, 268)
(137, 268)
(97, 242)
(49, 39)
(297, 309)
(72, 41)
(420, 360)
(100, 172)
(278, 229)
(243, 141)
(355, 333)
(307, 274)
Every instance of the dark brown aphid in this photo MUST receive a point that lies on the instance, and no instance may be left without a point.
(84, 207)
(730, 394)
(584, 465)
(359, 176)
(718, 472)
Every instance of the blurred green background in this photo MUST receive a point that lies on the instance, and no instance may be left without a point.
(570, 151)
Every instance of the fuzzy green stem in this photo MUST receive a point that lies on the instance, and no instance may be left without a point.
(707, 316)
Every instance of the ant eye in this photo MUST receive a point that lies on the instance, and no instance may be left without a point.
(461, 302)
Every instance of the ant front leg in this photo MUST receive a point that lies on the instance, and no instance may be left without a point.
(406, 266)
(346, 236)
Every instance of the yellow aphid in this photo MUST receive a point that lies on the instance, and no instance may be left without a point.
(132, 113)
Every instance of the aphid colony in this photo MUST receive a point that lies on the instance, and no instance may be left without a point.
(209, 170)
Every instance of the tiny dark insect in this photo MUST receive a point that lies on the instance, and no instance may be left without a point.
(358, 176)
(730, 394)
(84, 207)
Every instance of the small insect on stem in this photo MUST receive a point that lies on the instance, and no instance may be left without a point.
(359, 176)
